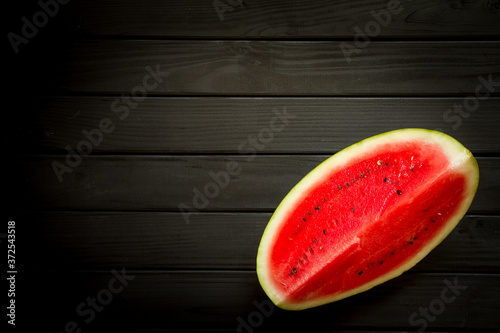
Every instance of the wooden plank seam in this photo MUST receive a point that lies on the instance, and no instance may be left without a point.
(89, 308)
(222, 178)
(437, 306)
(470, 103)
(150, 81)
(449, 294)
(372, 29)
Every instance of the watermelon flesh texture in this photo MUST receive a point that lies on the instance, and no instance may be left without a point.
(364, 216)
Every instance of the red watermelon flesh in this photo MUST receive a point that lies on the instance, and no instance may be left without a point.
(364, 216)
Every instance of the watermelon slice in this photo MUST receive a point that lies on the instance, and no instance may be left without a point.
(364, 216)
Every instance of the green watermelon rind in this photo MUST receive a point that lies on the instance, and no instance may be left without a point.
(461, 159)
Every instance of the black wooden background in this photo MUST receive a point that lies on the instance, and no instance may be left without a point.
(148, 143)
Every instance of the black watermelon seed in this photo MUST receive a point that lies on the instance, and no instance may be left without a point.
(317, 208)
(410, 243)
(294, 270)
(291, 274)
(411, 169)
(392, 253)
(352, 208)
(309, 213)
(304, 219)
(362, 175)
(426, 229)
(360, 272)
(385, 180)
(324, 231)
(311, 249)
(432, 220)
(414, 237)
(315, 240)
(399, 192)
(304, 256)
(340, 186)
(346, 184)
(381, 262)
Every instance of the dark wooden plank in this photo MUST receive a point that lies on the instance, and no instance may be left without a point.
(244, 182)
(87, 240)
(218, 299)
(221, 125)
(440, 50)
(179, 67)
(283, 19)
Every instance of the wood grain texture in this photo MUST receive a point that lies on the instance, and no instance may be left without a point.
(186, 87)
(135, 182)
(141, 240)
(221, 125)
(259, 68)
(204, 300)
(282, 19)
